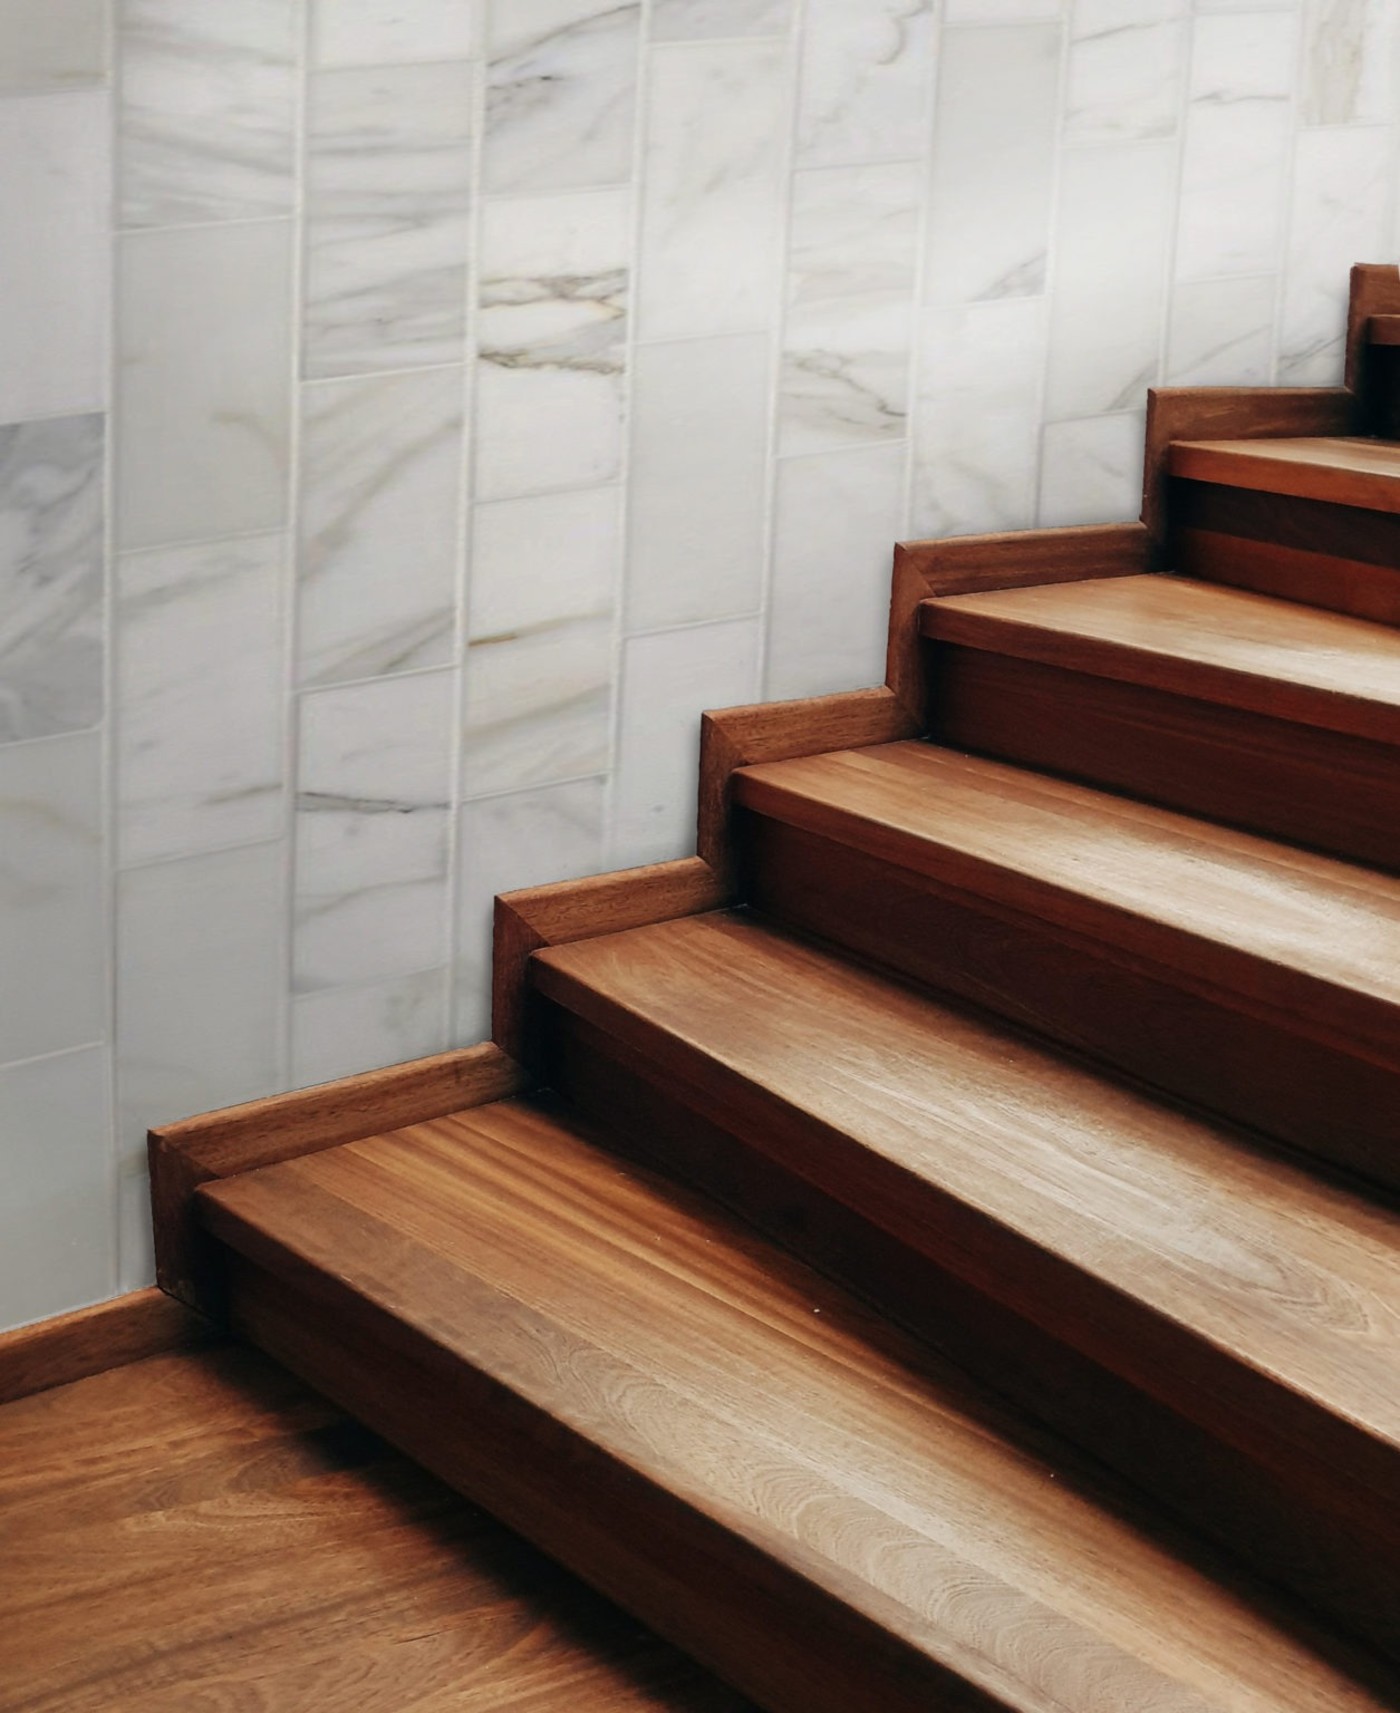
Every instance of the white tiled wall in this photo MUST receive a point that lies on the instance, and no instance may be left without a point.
(413, 412)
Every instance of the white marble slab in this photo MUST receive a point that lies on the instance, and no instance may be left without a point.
(57, 1222)
(52, 950)
(977, 417)
(52, 44)
(551, 338)
(207, 110)
(388, 229)
(1222, 333)
(542, 620)
(55, 254)
(204, 388)
(1111, 247)
(392, 32)
(345, 1030)
(1343, 182)
(851, 275)
(527, 838)
(1127, 59)
(382, 464)
(1239, 139)
(560, 94)
(1002, 11)
(1351, 62)
(200, 703)
(697, 20)
(996, 125)
(668, 680)
(373, 800)
(1091, 470)
(200, 1001)
(51, 598)
(866, 81)
(713, 194)
(839, 515)
(696, 541)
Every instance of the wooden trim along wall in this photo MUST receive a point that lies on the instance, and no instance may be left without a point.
(89, 1341)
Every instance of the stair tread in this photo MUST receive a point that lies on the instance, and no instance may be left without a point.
(1292, 934)
(1292, 1276)
(1344, 470)
(1202, 639)
(717, 1368)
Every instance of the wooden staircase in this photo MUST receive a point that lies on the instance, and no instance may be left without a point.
(938, 1248)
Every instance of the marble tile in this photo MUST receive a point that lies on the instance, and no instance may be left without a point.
(1091, 471)
(995, 133)
(1239, 136)
(668, 680)
(204, 390)
(57, 1227)
(1126, 62)
(977, 417)
(200, 1000)
(55, 254)
(51, 536)
(372, 831)
(345, 1030)
(1002, 11)
(866, 81)
(542, 621)
(1222, 333)
(392, 32)
(381, 480)
(696, 20)
(1351, 62)
(52, 44)
(51, 924)
(838, 517)
(207, 110)
(388, 229)
(199, 697)
(1342, 185)
(696, 497)
(713, 195)
(852, 260)
(525, 839)
(1112, 239)
(551, 337)
(560, 93)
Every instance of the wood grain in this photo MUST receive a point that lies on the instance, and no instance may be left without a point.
(202, 1532)
(1383, 329)
(1340, 471)
(796, 1492)
(70, 1347)
(240, 1138)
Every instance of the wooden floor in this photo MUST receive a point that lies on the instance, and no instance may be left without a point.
(199, 1533)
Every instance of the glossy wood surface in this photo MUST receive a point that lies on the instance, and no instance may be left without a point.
(200, 1532)
(70, 1347)
(753, 1444)
(1342, 470)
(1383, 329)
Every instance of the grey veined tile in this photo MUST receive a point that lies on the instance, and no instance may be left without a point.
(388, 191)
(50, 576)
(207, 110)
(52, 44)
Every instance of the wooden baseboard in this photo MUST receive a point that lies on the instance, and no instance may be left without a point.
(89, 1341)
(262, 1132)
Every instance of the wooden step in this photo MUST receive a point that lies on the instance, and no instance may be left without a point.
(1275, 717)
(1261, 982)
(729, 1444)
(1254, 1309)
(1310, 520)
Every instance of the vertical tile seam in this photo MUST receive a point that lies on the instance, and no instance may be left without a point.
(923, 263)
(1065, 25)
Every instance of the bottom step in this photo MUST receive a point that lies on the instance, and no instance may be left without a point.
(733, 1448)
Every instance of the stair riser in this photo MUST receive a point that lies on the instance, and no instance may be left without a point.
(719, 1598)
(945, 1276)
(1342, 558)
(1326, 790)
(1076, 991)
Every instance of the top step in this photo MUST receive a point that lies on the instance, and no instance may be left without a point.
(1344, 472)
